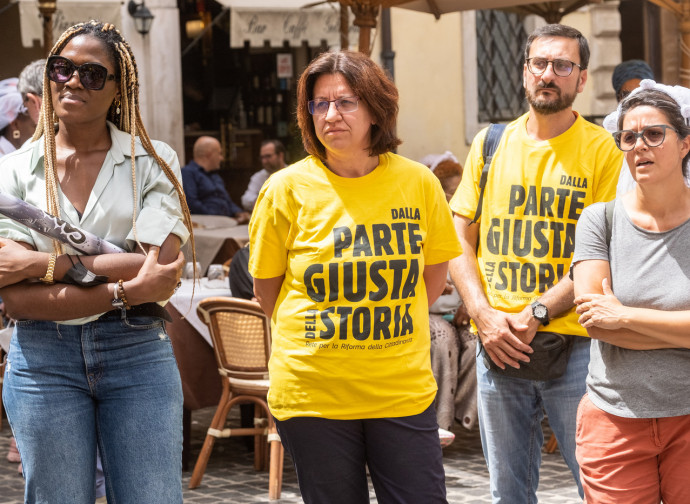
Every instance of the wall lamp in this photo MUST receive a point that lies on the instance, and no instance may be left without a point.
(142, 16)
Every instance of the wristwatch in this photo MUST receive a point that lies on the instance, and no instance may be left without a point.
(540, 312)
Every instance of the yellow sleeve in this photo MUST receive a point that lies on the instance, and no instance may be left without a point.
(442, 242)
(269, 229)
(464, 201)
(609, 172)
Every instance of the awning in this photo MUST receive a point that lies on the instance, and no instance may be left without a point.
(445, 6)
(277, 21)
(552, 11)
(68, 13)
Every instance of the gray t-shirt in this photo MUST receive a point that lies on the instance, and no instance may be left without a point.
(648, 270)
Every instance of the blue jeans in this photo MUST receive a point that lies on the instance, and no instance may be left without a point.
(403, 455)
(510, 415)
(110, 383)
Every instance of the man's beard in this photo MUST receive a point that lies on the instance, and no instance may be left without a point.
(547, 105)
(272, 167)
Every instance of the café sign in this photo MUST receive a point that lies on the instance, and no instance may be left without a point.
(294, 26)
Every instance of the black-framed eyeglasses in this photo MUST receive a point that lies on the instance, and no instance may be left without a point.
(92, 76)
(561, 67)
(344, 105)
(653, 136)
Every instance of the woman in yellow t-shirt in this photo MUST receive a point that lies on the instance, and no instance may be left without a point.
(348, 248)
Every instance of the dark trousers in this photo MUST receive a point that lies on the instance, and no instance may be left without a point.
(403, 455)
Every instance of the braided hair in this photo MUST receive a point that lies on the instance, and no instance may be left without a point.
(124, 113)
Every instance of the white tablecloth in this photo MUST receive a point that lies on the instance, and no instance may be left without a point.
(182, 300)
(5, 337)
(210, 232)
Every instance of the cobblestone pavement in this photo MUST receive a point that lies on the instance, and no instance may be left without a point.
(230, 477)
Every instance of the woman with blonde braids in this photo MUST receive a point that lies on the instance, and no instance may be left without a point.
(90, 364)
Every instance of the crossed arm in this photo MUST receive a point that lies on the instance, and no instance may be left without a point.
(147, 278)
(607, 319)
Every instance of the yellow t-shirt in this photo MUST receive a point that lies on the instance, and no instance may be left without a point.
(350, 328)
(534, 195)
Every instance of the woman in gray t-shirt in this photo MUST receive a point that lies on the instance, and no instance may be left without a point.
(632, 291)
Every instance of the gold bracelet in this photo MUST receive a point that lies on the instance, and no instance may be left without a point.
(48, 279)
(121, 290)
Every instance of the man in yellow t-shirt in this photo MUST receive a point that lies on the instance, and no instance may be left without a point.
(512, 276)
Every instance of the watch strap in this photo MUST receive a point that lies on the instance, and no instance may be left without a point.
(537, 306)
(117, 302)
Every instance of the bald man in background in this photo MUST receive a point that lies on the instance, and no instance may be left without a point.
(203, 186)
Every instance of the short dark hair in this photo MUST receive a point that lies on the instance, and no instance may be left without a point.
(559, 30)
(666, 105)
(277, 145)
(368, 81)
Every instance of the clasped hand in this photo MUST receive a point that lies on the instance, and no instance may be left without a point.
(506, 336)
(600, 310)
(155, 281)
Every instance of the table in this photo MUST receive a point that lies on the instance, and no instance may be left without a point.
(217, 238)
(186, 306)
(201, 383)
(5, 337)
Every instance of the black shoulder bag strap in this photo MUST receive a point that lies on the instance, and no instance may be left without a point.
(493, 136)
(608, 213)
(609, 222)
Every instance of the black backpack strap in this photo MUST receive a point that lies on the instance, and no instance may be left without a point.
(609, 222)
(491, 140)
(608, 213)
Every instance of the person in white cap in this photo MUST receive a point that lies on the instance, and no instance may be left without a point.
(15, 124)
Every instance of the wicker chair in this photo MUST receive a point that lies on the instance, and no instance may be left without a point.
(2, 374)
(241, 335)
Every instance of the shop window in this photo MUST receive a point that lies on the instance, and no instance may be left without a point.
(501, 40)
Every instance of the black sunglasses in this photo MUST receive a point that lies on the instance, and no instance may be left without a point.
(92, 76)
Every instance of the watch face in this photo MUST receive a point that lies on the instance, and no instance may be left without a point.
(540, 311)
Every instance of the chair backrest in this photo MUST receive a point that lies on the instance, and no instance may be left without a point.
(241, 335)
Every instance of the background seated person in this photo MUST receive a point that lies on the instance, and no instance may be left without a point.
(452, 344)
(241, 281)
(203, 186)
(272, 157)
